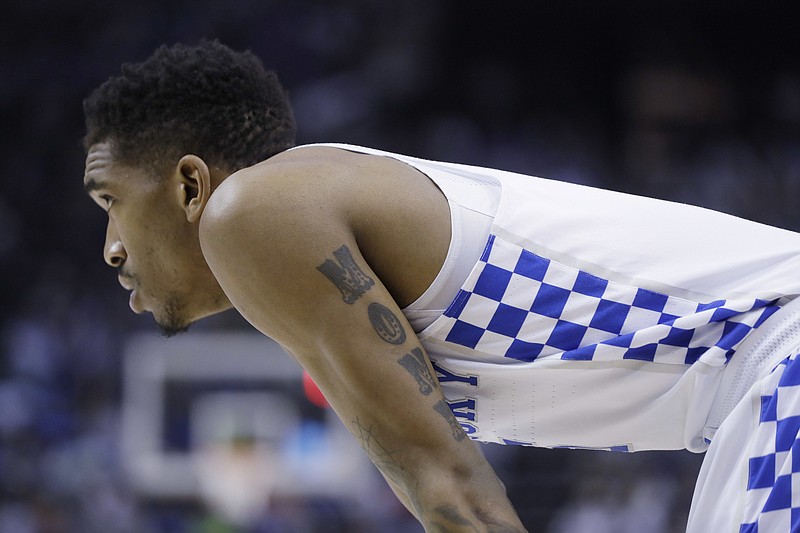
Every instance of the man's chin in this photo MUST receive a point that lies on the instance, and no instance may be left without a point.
(173, 318)
(170, 330)
(170, 321)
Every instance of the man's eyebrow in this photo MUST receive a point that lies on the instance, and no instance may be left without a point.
(92, 185)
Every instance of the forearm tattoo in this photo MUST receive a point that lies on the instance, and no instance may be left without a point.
(379, 454)
(386, 324)
(416, 365)
(346, 275)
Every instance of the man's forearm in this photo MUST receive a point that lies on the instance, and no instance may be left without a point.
(444, 501)
(448, 517)
(474, 504)
(402, 496)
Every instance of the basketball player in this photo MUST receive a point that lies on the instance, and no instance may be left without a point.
(438, 303)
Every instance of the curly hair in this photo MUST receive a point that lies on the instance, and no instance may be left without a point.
(208, 100)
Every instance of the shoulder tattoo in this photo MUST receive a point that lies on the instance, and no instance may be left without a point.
(386, 324)
(348, 277)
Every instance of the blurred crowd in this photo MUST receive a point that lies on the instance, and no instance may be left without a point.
(673, 99)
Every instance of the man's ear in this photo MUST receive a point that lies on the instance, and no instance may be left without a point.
(194, 186)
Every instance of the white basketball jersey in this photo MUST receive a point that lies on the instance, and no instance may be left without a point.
(599, 319)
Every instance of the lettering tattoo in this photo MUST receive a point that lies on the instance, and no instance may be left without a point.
(346, 275)
(379, 454)
(415, 364)
(443, 409)
(386, 324)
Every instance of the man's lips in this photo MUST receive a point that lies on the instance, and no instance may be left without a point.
(126, 283)
(134, 303)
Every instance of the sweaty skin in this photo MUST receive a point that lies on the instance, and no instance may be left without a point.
(319, 249)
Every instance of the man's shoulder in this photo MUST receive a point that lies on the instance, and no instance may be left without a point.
(273, 218)
(293, 210)
(291, 195)
(276, 185)
(325, 179)
(315, 161)
(305, 168)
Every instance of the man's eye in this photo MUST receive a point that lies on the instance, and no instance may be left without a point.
(107, 199)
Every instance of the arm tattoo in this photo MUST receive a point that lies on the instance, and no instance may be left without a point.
(443, 409)
(346, 275)
(381, 456)
(386, 324)
(415, 364)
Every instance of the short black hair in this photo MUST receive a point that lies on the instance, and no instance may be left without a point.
(208, 100)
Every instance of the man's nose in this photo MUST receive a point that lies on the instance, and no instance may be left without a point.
(113, 251)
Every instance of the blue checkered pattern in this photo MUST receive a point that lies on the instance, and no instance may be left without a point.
(772, 501)
(523, 306)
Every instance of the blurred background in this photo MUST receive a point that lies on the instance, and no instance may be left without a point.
(105, 427)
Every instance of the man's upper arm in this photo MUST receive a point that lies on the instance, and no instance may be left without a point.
(292, 267)
(296, 273)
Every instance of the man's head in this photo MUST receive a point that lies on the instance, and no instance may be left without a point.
(160, 138)
(206, 100)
